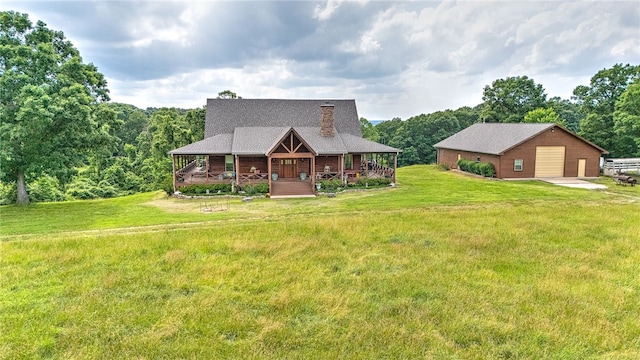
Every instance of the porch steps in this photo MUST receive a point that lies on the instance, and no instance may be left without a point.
(284, 188)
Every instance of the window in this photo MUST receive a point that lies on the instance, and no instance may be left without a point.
(228, 163)
(477, 158)
(517, 165)
(348, 161)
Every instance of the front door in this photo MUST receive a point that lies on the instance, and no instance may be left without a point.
(289, 168)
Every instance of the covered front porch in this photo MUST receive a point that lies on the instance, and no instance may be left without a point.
(286, 173)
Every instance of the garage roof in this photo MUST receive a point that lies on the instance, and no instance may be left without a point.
(497, 138)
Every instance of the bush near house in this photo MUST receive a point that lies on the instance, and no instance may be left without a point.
(361, 183)
(485, 169)
(330, 185)
(373, 182)
(256, 189)
(202, 189)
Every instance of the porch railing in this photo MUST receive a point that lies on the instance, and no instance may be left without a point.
(244, 178)
(371, 169)
(182, 173)
(327, 175)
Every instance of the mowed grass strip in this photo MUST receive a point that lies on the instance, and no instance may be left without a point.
(537, 277)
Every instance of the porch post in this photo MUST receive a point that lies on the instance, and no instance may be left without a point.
(173, 163)
(313, 172)
(269, 171)
(237, 167)
(395, 166)
(206, 168)
(341, 161)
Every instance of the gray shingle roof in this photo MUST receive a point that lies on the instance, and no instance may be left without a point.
(356, 144)
(223, 115)
(320, 144)
(215, 145)
(256, 140)
(254, 127)
(492, 138)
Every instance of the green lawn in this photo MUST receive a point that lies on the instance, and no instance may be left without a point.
(443, 266)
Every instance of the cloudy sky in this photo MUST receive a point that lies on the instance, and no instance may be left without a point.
(396, 59)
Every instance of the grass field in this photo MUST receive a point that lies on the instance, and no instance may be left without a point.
(443, 266)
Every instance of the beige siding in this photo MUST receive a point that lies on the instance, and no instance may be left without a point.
(549, 161)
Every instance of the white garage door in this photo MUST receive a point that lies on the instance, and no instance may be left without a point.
(549, 161)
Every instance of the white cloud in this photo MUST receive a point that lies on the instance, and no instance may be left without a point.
(395, 58)
(324, 14)
(626, 48)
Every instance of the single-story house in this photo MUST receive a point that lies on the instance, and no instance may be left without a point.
(289, 144)
(523, 150)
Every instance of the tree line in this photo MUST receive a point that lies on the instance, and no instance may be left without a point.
(606, 112)
(61, 137)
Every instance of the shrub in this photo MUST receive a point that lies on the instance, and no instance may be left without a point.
(256, 189)
(106, 190)
(202, 189)
(8, 193)
(373, 182)
(486, 169)
(44, 189)
(330, 185)
(481, 168)
(82, 188)
(125, 181)
(444, 167)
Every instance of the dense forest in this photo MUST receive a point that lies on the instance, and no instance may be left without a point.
(62, 138)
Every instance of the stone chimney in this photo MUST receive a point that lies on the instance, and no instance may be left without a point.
(326, 119)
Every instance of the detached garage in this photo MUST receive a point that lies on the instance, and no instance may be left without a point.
(523, 150)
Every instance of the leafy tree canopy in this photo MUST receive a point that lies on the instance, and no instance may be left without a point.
(598, 102)
(387, 129)
(543, 116)
(47, 101)
(568, 112)
(417, 135)
(509, 100)
(368, 130)
(228, 94)
(605, 88)
(626, 120)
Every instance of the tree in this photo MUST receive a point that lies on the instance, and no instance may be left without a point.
(568, 112)
(626, 119)
(368, 130)
(134, 121)
(168, 130)
(543, 116)
(417, 135)
(47, 100)
(195, 119)
(228, 94)
(598, 102)
(509, 100)
(105, 141)
(467, 116)
(387, 130)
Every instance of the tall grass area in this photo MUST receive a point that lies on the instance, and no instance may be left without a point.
(444, 266)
